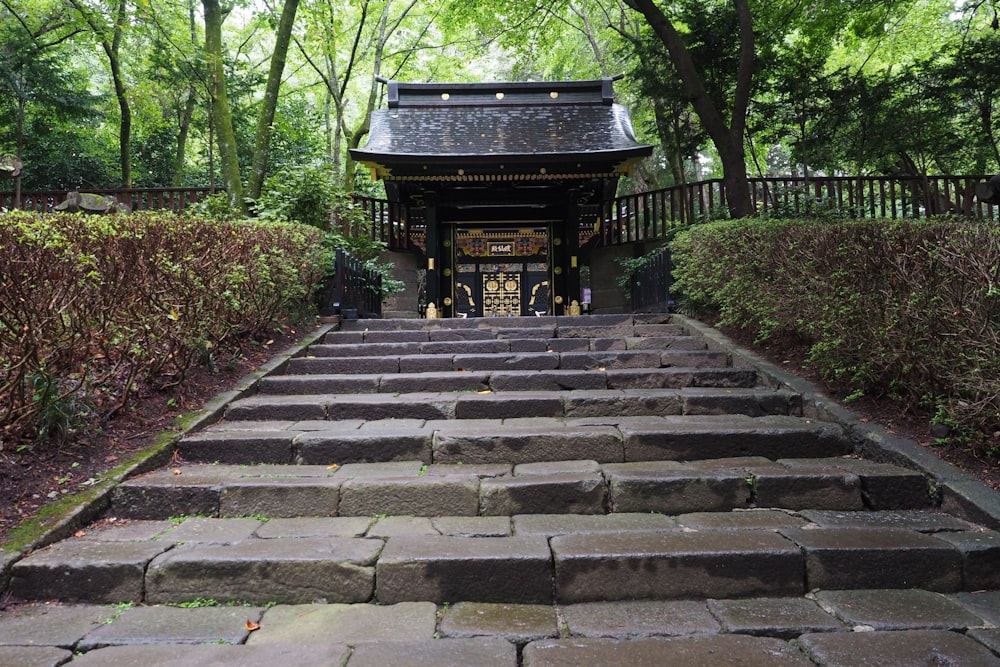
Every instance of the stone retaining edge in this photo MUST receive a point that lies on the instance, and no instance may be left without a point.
(158, 454)
(958, 491)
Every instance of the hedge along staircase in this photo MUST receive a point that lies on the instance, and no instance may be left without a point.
(550, 462)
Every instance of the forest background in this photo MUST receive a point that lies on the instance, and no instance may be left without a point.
(120, 93)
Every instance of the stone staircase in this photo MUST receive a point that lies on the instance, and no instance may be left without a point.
(530, 491)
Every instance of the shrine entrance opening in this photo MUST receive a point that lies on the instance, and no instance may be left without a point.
(500, 271)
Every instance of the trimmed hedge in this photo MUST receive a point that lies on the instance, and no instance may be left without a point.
(92, 308)
(906, 308)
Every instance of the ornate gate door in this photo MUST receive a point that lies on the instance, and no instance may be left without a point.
(501, 272)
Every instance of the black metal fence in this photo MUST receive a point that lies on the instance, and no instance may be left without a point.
(651, 284)
(354, 291)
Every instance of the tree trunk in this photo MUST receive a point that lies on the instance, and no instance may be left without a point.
(265, 120)
(112, 49)
(726, 136)
(225, 136)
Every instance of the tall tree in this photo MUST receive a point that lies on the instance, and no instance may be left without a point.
(109, 33)
(265, 121)
(221, 114)
(724, 124)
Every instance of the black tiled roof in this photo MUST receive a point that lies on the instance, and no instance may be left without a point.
(474, 125)
(500, 131)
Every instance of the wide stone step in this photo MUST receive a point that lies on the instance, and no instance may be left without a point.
(510, 560)
(307, 438)
(476, 396)
(413, 488)
(907, 626)
(464, 347)
(397, 361)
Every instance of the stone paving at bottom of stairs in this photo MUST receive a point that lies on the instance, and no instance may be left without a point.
(825, 628)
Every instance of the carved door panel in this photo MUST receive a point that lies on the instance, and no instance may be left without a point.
(501, 294)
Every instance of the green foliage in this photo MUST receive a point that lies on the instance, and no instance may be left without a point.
(910, 309)
(94, 308)
(299, 193)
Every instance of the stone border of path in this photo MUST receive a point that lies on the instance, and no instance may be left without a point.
(160, 453)
(959, 493)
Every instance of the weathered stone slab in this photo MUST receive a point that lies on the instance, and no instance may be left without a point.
(467, 348)
(676, 378)
(403, 336)
(980, 557)
(693, 359)
(130, 530)
(522, 443)
(159, 497)
(166, 655)
(884, 486)
(320, 384)
(267, 571)
(754, 519)
(517, 623)
(280, 497)
(669, 565)
(473, 526)
(200, 530)
(665, 343)
(801, 487)
(751, 402)
(347, 526)
(639, 618)
(365, 349)
(701, 437)
(519, 361)
(508, 404)
(985, 604)
(456, 495)
(388, 406)
(710, 651)
(272, 407)
(345, 624)
(569, 493)
(625, 402)
(241, 447)
(916, 520)
(552, 381)
(346, 365)
(402, 383)
(50, 625)
(482, 652)
(379, 470)
(847, 558)
(912, 609)
(784, 618)
(889, 649)
(675, 490)
(459, 334)
(562, 524)
(174, 625)
(988, 637)
(571, 345)
(396, 526)
(426, 363)
(86, 571)
(33, 656)
(483, 569)
(362, 446)
(611, 359)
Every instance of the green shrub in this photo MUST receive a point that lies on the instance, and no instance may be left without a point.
(93, 307)
(906, 308)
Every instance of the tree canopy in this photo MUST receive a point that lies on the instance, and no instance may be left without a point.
(106, 93)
